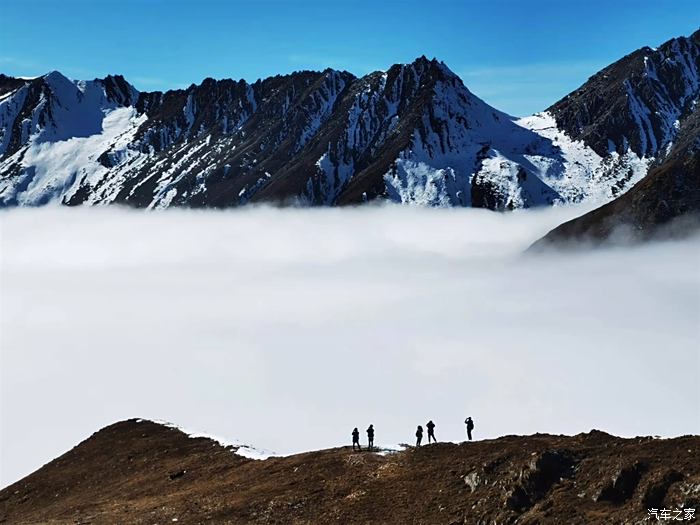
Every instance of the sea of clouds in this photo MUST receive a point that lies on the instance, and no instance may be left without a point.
(286, 328)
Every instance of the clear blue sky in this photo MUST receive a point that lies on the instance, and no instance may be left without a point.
(519, 56)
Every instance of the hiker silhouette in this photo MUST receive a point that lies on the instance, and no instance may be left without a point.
(419, 435)
(370, 437)
(470, 427)
(431, 431)
(356, 439)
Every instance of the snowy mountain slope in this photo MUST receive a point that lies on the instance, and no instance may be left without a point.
(585, 174)
(53, 130)
(665, 204)
(413, 134)
(213, 144)
(417, 135)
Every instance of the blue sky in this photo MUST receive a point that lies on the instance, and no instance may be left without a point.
(519, 56)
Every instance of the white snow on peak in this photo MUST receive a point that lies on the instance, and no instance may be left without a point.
(76, 109)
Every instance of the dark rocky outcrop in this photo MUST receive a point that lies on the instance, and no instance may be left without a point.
(623, 484)
(537, 479)
(655, 493)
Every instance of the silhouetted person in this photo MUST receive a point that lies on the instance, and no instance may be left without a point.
(431, 431)
(370, 437)
(470, 427)
(419, 435)
(356, 439)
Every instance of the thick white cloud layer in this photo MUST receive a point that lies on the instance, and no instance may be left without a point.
(287, 328)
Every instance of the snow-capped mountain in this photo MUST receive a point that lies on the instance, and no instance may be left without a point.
(413, 134)
(651, 108)
(665, 204)
(638, 103)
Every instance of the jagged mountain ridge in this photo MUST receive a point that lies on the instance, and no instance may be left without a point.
(300, 137)
(413, 134)
(637, 103)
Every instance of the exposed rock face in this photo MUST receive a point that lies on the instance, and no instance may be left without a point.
(413, 134)
(545, 470)
(623, 484)
(142, 472)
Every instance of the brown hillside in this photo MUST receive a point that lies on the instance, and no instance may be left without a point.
(143, 472)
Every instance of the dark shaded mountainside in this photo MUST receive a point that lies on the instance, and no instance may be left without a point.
(141, 472)
(413, 134)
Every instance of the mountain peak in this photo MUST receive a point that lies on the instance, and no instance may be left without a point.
(119, 91)
(55, 76)
(425, 62)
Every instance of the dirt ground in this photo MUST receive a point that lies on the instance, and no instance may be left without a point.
(141, 472)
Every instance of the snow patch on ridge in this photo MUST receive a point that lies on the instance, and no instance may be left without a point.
(582, 174)
(240, 449)
(323, 101)
(330, 180)
(420, 184)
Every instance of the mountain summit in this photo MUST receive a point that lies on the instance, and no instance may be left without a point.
(413, 134)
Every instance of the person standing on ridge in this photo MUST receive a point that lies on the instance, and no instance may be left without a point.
(356, 439)
(470, 427)
(431, 431)
(419, 435)
(370, 437)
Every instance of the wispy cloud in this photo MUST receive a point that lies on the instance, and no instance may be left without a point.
(317, 61)
(534, 70)
(20, 62)
(148, 81)
(18, 66)
(26, 67)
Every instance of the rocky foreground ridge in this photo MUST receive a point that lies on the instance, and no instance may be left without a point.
(142, 472)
